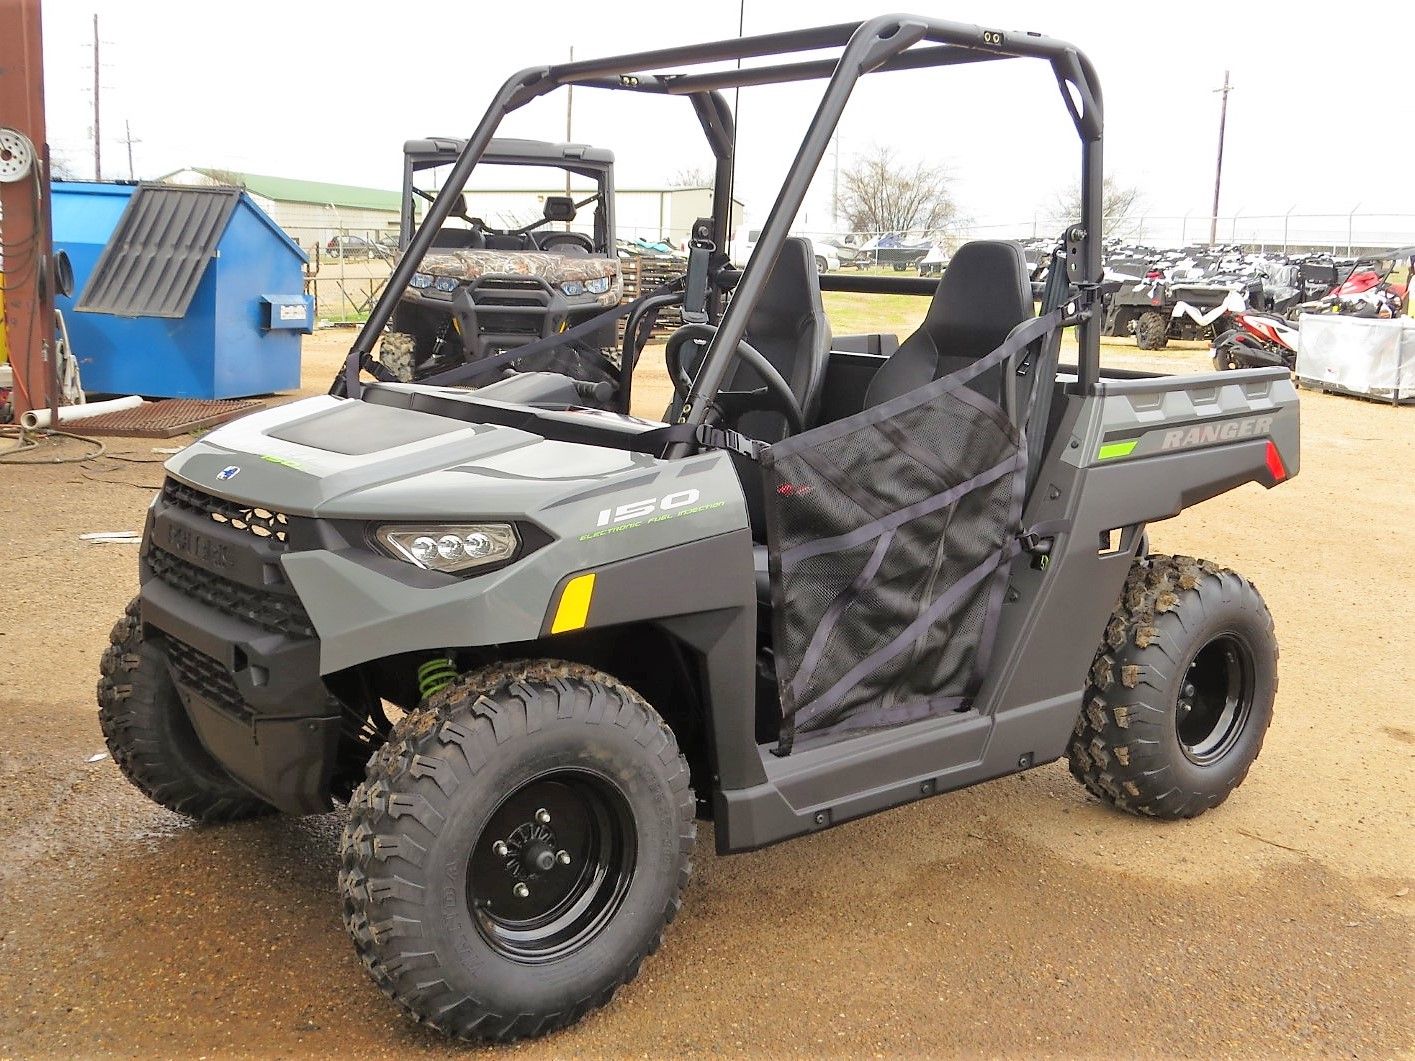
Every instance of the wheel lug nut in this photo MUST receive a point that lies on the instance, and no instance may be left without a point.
(543, 816)
(521, 891)
(499, 849)
(1188, 691)
(563, 857)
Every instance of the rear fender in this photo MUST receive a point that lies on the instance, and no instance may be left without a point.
(1153, 447)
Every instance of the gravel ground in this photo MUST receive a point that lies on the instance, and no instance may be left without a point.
(1015, 918)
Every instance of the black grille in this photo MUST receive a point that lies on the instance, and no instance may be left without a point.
(271, 611)
(510, 284)
(207, 678)
(258, 522)
(510, 323)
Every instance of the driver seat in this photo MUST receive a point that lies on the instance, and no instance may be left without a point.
(788, 327)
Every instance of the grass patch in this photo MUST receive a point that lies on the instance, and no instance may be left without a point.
(857, 314)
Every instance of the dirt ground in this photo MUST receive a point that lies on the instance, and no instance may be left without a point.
(1015, 918)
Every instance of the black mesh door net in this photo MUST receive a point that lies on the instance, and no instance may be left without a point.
(889, 536)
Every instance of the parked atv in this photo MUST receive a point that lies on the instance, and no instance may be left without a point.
(481, 290)
(1368, 290)
(1156, 309)
(851, 573)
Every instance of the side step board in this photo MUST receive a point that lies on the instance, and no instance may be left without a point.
(815, 788)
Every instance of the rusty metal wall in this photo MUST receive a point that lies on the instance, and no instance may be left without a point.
(28, 318)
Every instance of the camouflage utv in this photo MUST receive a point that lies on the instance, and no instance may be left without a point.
(483, 290)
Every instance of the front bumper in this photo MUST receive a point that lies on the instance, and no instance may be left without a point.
(241, 651)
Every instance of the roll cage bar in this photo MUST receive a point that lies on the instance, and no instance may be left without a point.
(883, 43)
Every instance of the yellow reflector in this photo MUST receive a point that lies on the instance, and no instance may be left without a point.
(574, 604)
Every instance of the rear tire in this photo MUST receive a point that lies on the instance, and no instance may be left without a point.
(151, 738)
(517, 849)
(1226, 351)
(1181, 692)
(1151, 331)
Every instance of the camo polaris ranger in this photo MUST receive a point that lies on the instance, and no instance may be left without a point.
(481, 290)
(531, 644)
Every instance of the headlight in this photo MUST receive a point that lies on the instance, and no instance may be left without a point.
(420, 280)
(573, 287)
(598, 286)
(451, 547)
(445, 283)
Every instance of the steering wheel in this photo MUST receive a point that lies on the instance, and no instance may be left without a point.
(777, 394)
(571, 239)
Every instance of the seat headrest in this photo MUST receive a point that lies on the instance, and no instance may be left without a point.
(985, 290)
(792, 289)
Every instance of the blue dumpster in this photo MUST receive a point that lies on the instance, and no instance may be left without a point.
(186, 292)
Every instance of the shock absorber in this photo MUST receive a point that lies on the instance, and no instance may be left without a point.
(434, 675)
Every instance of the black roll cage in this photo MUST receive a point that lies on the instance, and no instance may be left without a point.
(886, 42)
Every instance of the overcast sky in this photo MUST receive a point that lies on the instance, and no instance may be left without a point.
(1323, 117)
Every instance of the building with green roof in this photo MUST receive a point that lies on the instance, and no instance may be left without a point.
(311, 212)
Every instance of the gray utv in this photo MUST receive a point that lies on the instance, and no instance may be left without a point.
(532, 644)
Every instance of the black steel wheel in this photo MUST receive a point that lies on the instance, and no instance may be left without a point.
(1215, 699)
(1181, 692)
(552, 865)
(517, 849)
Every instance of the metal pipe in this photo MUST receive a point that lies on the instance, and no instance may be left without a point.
(799, 40)
(784, 73)
(36, 419)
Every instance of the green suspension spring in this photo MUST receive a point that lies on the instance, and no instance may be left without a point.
(435, 675)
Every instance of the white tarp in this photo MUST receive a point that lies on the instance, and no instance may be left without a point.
(1360, 355)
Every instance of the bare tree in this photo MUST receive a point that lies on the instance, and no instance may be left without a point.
(1119, 205)
(691, 177)
(879, 193)
(60, 168)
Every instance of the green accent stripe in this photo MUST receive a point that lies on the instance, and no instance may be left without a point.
(1111, 450)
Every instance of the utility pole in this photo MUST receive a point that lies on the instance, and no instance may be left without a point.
(128, 139)
(1218, 169)
(97, 131)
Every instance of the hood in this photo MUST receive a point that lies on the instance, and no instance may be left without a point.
(347, 459)
(554, 268)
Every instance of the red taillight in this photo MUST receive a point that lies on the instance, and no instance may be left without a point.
(1275, 465)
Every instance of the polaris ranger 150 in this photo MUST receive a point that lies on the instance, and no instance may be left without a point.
(532, 644)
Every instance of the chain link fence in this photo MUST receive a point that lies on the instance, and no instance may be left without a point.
(349, 267)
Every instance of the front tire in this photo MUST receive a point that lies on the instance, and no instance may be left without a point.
(151, 738)
(1151, 331)
(517, 849)
(1181, 691)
